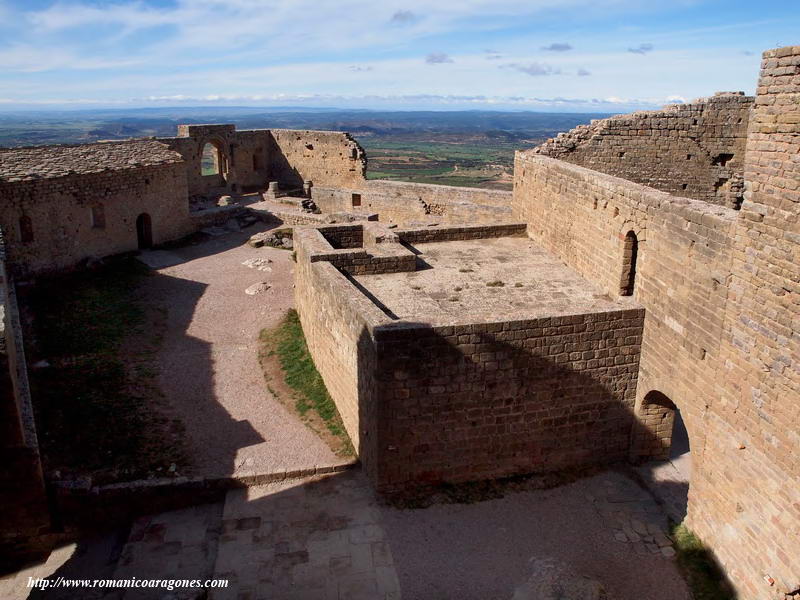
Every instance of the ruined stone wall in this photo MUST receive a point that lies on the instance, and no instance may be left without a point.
(720, 290)
(326, 158)
(250, 159)
(244, 158)
(481, 401)
(76, 217)
(404, 203)
(694, 150)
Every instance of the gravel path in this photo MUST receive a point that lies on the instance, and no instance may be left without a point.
(209, 367)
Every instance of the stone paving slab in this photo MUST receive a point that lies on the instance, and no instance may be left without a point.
(315, 538)
(328, 537)
(180, 544)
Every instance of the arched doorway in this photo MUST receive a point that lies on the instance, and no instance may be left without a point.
(660, 444)
(212, 161)
(630, 252)
(144, 231)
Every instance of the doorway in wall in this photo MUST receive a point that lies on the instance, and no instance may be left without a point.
(661, 447)
(144, 231)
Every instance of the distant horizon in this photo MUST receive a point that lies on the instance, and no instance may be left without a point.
(289, 109)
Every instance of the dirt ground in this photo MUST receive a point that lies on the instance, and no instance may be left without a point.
(208, 363)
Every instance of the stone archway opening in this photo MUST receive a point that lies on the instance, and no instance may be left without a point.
(660, 445)
(212, 161)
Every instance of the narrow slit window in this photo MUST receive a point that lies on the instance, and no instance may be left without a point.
(630, 251)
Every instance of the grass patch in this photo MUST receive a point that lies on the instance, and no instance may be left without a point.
(312, 401)
(704, 576)
(94, 403)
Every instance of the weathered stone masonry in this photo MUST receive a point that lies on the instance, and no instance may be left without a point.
(427, 403)
(694, 150)
(721, 293)
(680, 232)
(61, 205)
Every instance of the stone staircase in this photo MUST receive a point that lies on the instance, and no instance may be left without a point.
(309, 538)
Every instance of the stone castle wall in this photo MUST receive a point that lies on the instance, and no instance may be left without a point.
(326, 158)
(53, 224)
(482, 401)
(335, 317)
(682, 269)
(720, 290)
(694, 150)
(750, 508)
(405, 203)
(462, 402)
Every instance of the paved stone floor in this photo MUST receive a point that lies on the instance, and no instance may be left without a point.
(506, 278)
(328, 537)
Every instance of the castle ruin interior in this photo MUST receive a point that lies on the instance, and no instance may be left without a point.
(645, 266)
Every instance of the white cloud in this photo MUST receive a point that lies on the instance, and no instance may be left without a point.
(534, 69)
(557, 47)
(437, 58)
(254, 48)
(641, 49)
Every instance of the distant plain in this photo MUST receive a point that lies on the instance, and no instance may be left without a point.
(467, 148)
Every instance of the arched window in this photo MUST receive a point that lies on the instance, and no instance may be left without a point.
(25, 229)
(630, 251)
(211, 163)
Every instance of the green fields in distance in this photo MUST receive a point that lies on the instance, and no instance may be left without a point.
(470, 163)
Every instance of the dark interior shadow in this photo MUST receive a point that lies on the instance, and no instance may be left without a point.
(186, 379)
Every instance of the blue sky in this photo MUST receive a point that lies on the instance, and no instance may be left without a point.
(551, 55)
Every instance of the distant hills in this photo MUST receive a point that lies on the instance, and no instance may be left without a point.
(38, 127)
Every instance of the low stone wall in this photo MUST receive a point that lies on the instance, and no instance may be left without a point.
(335, 318)
(403, 203)
(451, 233)
(343, 236)
(371, 258)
